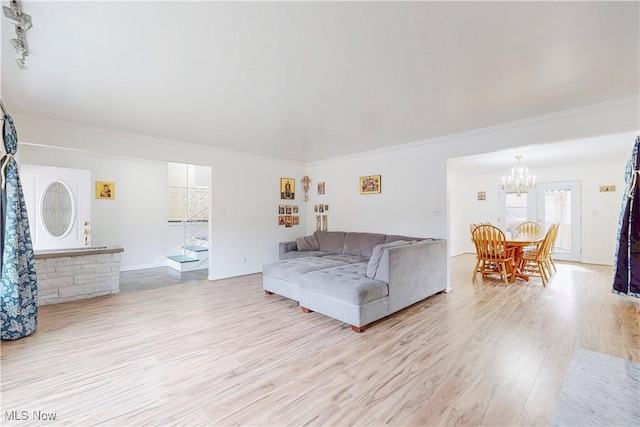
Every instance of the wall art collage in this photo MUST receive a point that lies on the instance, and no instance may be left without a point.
(287, 215)
(321, 220)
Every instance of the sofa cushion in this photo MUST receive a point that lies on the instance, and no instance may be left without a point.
(346, 283)
(292, 269)
(376, 256)
(307, 243)
(332, 241)
(394, 238)
(351, 259)
(303, 254)
(361, 243)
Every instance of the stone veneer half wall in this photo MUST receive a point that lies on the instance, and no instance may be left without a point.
(70, 274)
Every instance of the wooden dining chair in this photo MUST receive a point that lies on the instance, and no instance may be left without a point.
(529, 227)
(552, 247)
(473, 225)
(493, 256)
(537, 263)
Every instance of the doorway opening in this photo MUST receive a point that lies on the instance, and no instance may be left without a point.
(189, 200)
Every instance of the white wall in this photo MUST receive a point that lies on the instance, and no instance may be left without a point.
(137, 218)
(178, 174)
(245, 191)
(413, 186)
(600, 211)
(414, 178)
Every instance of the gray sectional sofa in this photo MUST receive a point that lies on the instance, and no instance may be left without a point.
(357, 278)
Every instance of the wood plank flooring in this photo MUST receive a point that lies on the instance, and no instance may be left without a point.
(223, 353)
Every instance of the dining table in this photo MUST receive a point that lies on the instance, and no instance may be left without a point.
(519, 242)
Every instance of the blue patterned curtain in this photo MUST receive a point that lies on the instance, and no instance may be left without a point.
(626, 279)
(18, 309)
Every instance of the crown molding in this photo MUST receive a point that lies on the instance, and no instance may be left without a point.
(139, 137)
(632, 100)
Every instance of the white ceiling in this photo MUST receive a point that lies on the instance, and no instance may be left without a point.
(314, 80)
(596, 150)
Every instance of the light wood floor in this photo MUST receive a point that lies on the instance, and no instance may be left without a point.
(223, 353)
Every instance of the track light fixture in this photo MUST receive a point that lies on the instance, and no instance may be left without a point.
(20, 43)
(22, 21)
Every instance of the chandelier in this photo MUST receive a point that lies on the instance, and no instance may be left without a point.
(519, 181)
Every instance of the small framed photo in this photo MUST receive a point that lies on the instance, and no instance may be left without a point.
(482, 195)
(315, 208)
(318, 223)
(287, 188)
(280, 219)
(325, 223)
(289, 210)
(288, 221)
(320, 208)
(105, 190)
(371, 184)
(281, 210)
(296, 220)
(326, 208)
(295, 208)
(321, 188)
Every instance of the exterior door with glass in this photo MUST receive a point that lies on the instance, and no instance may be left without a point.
(560, 202)
(59, 205)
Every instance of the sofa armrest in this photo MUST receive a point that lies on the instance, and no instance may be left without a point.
(413, 272)
(285, 247)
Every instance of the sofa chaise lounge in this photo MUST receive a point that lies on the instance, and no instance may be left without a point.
(357, 278)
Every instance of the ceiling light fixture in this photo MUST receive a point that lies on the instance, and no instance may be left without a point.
(20, 43)
(519, 181)
(22, 21)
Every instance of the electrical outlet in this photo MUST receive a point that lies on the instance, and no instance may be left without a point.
(607, 188)
(436, 212)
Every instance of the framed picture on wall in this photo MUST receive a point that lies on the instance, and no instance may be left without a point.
(287, 188)
(281, 209)
(318, 223)
(371, 184)
(325, 223)
(105, 190)
(280, 219)
(288, 209)
(321, 188)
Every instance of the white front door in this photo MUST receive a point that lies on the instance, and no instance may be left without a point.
(560, 202)
(59, 205)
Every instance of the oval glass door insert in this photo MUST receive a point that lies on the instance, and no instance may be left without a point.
(57, 209)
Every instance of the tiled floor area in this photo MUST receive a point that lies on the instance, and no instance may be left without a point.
(149, 278)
